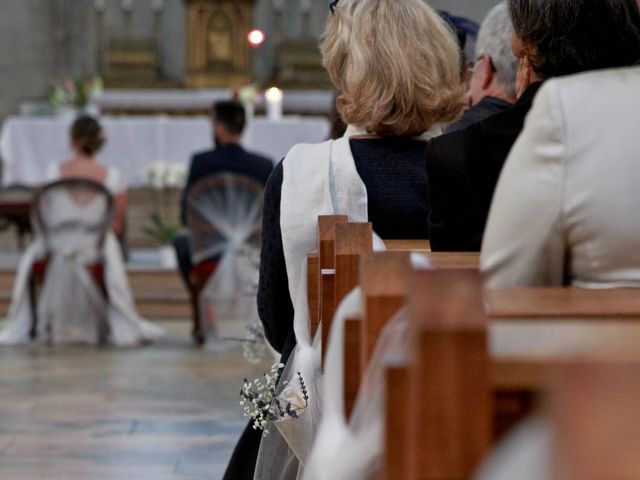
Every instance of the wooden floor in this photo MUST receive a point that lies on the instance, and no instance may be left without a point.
(167, 411)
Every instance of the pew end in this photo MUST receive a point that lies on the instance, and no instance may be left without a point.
(450, 400)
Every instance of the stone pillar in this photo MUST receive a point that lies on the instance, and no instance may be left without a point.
(218, 52)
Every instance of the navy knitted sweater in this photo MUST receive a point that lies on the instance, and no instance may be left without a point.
(394, 173)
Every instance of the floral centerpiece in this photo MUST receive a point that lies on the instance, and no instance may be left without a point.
(163, 177)
(247, 96)
(262, 401)
(74, 94)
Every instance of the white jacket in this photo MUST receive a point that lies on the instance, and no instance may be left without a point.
(567, 204)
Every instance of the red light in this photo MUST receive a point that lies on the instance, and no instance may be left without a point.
(256, 38)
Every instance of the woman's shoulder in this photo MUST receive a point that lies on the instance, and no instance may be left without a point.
(309, 151)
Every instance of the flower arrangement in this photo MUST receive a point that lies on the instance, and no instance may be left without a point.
(166, 175)
(163, 176)
(247, 96)
(76, 93)
(262, 402)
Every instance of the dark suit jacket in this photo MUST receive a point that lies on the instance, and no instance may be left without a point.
(227, 158)
(463, 168)
(485, 108)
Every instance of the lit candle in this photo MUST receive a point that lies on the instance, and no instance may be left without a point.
(273, 97)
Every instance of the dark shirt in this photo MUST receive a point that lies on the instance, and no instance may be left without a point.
(231, 158)
(485, 108)
(463, 168)
(393, 172)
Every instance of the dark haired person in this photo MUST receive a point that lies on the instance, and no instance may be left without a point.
(87, 138)
(575, 170)
(551, 38)
(227, 156)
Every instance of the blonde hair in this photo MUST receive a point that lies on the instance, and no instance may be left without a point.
(396, 65)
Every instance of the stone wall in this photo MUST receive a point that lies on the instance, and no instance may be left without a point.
(45, 40)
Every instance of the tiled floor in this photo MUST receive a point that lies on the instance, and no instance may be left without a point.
(167, 411)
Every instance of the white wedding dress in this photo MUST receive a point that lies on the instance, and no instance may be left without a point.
(71, 307)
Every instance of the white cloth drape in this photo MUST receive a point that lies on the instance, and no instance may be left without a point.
(318, 180)
(71, 308)
(331, 185)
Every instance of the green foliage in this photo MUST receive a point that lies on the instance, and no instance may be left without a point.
(159, 230)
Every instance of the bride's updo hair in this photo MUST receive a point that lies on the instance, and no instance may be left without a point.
(87, 134)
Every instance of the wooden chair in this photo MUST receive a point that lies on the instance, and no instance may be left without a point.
(217, 208)
(16, 202)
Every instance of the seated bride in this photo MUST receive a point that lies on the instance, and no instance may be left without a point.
(72, 306)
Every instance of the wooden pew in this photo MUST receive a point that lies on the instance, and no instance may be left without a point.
(330, 279)
(452, 383)
(459, 427)
(383, 277)
(595, 416)
(384, 281)
(449, 379)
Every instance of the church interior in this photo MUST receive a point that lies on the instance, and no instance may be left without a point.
(315, 239)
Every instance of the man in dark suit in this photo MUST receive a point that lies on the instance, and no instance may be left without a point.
(463, 168)
(551, 39)
(492, 86)
(228, 157)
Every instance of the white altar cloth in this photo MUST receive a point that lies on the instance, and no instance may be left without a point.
(29, 144)
(307, 102)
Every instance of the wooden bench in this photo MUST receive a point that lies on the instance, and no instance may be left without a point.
(345, 259)
(450, 392)
(441, 427)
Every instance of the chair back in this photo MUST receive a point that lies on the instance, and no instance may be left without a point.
(73, 216)
(224, 213)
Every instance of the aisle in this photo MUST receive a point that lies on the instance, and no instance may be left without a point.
(161, 412)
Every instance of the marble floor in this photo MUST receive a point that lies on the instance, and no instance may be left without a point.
(166, 411)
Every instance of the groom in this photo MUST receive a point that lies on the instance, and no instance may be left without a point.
(228, 156)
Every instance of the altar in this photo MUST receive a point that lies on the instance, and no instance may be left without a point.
(28, 145)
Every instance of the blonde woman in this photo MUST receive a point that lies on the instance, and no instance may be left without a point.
(396, 66)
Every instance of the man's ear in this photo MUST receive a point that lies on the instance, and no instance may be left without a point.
(487, 72)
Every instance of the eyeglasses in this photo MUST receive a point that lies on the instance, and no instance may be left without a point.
(333, 5)
(472, 65)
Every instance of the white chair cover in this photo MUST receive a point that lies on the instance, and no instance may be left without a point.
(224, 216)
(525, 454)
(352, 450)
(73, 217)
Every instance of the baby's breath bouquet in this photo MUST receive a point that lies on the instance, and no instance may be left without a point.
(262, 401)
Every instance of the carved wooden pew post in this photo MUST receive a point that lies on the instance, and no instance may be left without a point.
(326, 267)
(449, 397)
(383, 277)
